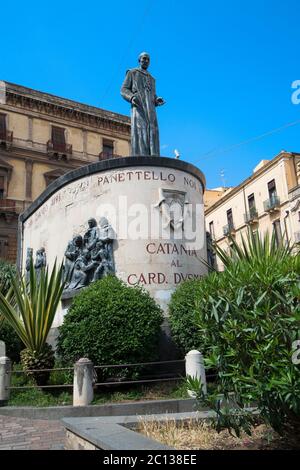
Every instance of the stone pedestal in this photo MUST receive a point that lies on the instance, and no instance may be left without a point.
(152, 204)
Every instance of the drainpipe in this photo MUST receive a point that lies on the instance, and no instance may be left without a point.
(287, 213)
(245, 205)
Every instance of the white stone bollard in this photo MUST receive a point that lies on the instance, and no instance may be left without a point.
(5, 377)
(83, 392)
(194, 367)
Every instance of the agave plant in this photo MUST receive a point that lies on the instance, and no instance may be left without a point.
(30, 307)
(254, 250)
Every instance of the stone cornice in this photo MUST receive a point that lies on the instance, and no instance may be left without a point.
(26, 98)
(111, 164)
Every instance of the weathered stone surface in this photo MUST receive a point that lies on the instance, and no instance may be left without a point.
(117, 189)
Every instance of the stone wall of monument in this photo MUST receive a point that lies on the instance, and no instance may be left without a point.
(137, 200)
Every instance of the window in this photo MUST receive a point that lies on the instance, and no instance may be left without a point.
(3, 247)
(272, 190)
(108, 148)
(2, 181)
(230, 218)
(251, 203)
(277, 232)
(3, 126)
(212, 230)
(58, 138)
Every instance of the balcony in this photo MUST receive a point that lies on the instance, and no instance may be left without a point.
(59, 151)
(294, 193)
(11, 207)
(251, 217)
(228, 230)
(6, 139)
(272, 204)
(297, 237)
(108, 156)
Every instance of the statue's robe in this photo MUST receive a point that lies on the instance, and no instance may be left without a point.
(144, 126)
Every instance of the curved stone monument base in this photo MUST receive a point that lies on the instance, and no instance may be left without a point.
(152, 205)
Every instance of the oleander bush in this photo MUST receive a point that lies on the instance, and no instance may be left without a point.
(251, 324)
(111, 323)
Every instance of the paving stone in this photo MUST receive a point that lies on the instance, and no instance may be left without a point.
(21, 433)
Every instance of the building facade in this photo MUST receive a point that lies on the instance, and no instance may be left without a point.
(43, 137)
(267, 201)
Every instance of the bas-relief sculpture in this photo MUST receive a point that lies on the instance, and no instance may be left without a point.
(39, 264)
(139, 89)
(89, 258)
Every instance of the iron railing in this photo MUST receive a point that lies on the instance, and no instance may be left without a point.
(6, 136)
(108, 155)
(228, 229)
(120, 381)
(251, 216)
(59, 148)
(272, 203)
(297, 237)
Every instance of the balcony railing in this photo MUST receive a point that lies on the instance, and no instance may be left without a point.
(6, 138)
(108, 155)
(272, 204)
(12, 206)
(294, 193)
(228, 230)
(251, 216)
(59, 151)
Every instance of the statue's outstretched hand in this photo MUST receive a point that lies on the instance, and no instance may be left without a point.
(159, 101)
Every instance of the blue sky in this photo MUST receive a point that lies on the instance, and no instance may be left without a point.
(225, 69)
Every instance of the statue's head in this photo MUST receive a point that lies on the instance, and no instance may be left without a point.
(103, 222)
(144, 60)
(29, 251)
(92, 223)
(78, 241)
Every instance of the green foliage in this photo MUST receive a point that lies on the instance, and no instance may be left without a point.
(111, 323)
(29, 308)
(250, 323)
(12, 342)
(183, 309)
(7, 333)
(5, 269)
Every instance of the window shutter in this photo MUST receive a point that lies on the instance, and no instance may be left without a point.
(2, 125)
(108, 147)
(58, 135)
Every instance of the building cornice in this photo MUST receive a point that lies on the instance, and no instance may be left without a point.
(257, 174)
(45, 103)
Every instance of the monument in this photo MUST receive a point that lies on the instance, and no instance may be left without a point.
(139, 89)
(139, 217)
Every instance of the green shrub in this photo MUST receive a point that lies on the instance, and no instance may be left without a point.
(7, 334)
(111, 323)
(183, 313)
(5, 269)
(251, 323)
